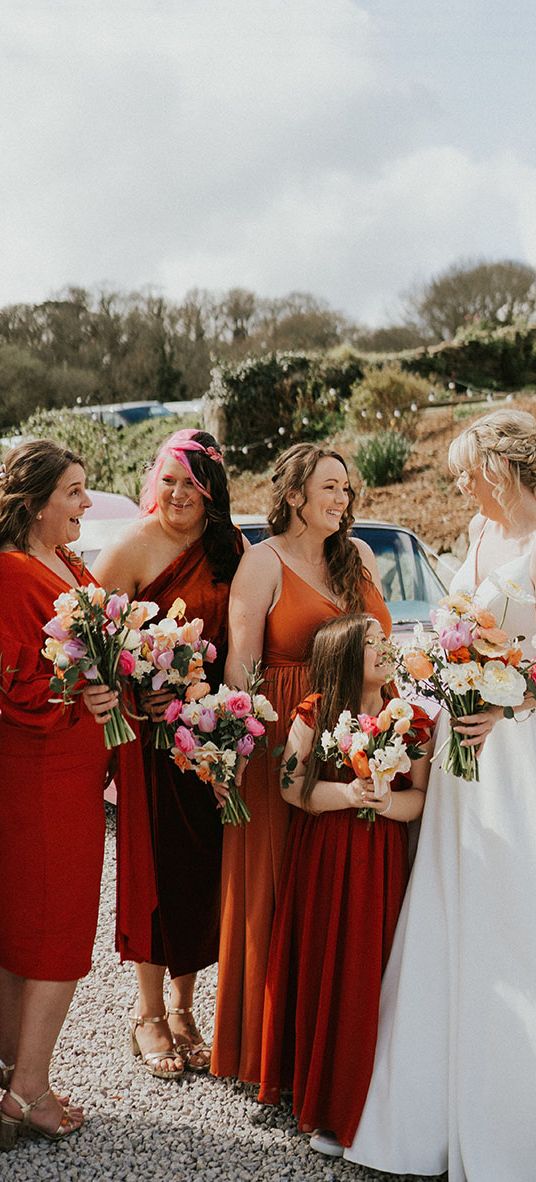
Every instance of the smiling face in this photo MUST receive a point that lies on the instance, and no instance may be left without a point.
(375, 666)
(180, 505)
(58, 522)
(327, 496)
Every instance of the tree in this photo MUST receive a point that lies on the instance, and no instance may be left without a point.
(494, 293)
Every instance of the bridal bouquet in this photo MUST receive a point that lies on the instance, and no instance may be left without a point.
(93, 637)
(173, 655)
(467, 663)
(213, 733)
(376, 747)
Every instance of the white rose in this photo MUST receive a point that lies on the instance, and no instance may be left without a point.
(501, 685)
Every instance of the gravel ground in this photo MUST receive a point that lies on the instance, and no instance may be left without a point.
(141, 1128)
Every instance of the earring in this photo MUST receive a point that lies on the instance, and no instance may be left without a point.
(39, 516)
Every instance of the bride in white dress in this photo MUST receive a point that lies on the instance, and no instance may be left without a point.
(454, 1083)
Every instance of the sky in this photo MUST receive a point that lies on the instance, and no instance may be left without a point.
(348, 149)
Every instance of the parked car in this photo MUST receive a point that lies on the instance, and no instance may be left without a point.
(103, 523)
(411, 586)
(124, 414)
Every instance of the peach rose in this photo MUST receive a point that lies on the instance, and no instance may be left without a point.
(196, 691)
(402, 726)
(418, 665)
(383, 720)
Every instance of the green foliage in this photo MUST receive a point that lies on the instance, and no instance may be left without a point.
(388, 396)
(115, 460)
(488, 358)
(271, 402)
(380, 458)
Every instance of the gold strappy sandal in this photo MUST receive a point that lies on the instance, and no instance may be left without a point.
(12, 1127)
(6, 1071)
(189, 1050)
(153, 1060)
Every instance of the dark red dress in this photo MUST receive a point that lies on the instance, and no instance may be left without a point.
(340, 893)
(53, 764)
(185, 824)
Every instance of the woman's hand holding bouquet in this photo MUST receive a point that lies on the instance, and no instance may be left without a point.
(213, 733)
(470, 665)
(92, 640)
(169, 668)
(378, 748)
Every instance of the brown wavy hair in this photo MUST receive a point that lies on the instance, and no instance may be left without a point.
(336, 673)
(27, 480)
(346, 573)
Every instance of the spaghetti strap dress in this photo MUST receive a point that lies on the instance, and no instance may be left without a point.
(253, 853)
(53, 765)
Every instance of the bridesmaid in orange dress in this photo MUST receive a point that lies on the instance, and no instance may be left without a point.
(308, 571)
(53, 764)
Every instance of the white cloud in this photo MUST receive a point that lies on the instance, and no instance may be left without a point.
(264, 144)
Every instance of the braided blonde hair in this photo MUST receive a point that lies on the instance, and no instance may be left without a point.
(503, 446)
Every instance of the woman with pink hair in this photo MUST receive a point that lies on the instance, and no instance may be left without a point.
(183, 544)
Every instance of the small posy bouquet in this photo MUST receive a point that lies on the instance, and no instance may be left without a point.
(172, 655)
(211, 734)
(467, 663)
(376, 747)
(93, 638)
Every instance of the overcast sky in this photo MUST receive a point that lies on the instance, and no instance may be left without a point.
(339, 147)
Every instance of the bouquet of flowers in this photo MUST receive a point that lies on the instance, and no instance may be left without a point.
(467, 663)
(377, 748)
(173, 655)
(212, 733)
(93, 637)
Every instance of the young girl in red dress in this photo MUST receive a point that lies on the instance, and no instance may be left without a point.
(340, 894)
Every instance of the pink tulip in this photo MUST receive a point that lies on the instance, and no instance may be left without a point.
(75, 649)
(185, 741)
(116, 604)
(368, 724)
(54, 629)
(210, 653)
(245, 745)
(207, 721)
(173, 711)
(255, 727)
(456, 636)
(345, 742)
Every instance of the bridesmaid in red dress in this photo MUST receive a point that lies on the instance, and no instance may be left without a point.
(308, 571)
(53, 765)
(341, 889)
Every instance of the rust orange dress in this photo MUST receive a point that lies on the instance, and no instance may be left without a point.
(253, 853)
(341, 890)
(53, 765)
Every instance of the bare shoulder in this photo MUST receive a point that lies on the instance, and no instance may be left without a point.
(119, 563)
(260, 560)
(366, 553)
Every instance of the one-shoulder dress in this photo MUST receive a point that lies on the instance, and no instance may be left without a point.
(253, 853)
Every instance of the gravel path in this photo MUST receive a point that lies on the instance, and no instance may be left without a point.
(141, 1128)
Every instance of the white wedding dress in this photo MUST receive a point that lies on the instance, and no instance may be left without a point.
(454, 1082)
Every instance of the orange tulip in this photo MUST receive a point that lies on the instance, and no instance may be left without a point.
(360, 765)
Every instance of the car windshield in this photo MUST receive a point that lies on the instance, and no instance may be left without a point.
(410, 586)
(137, 414)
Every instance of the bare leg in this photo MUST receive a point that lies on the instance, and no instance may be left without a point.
(43, 1008)
(150, 1004)
(184, 1026)
(10, 1007)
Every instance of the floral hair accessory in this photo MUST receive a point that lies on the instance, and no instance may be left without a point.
(178, 446)
(215, 455)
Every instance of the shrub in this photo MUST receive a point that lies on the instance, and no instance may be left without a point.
(388, 396)
(488, 358)
(380, 458)
(270, 402)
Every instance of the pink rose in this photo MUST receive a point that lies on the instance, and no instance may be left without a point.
(207, 721)
(126, 663)
(246, 745)
(239, 704)
(255, 727)
(185, 741)
(173, 711)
